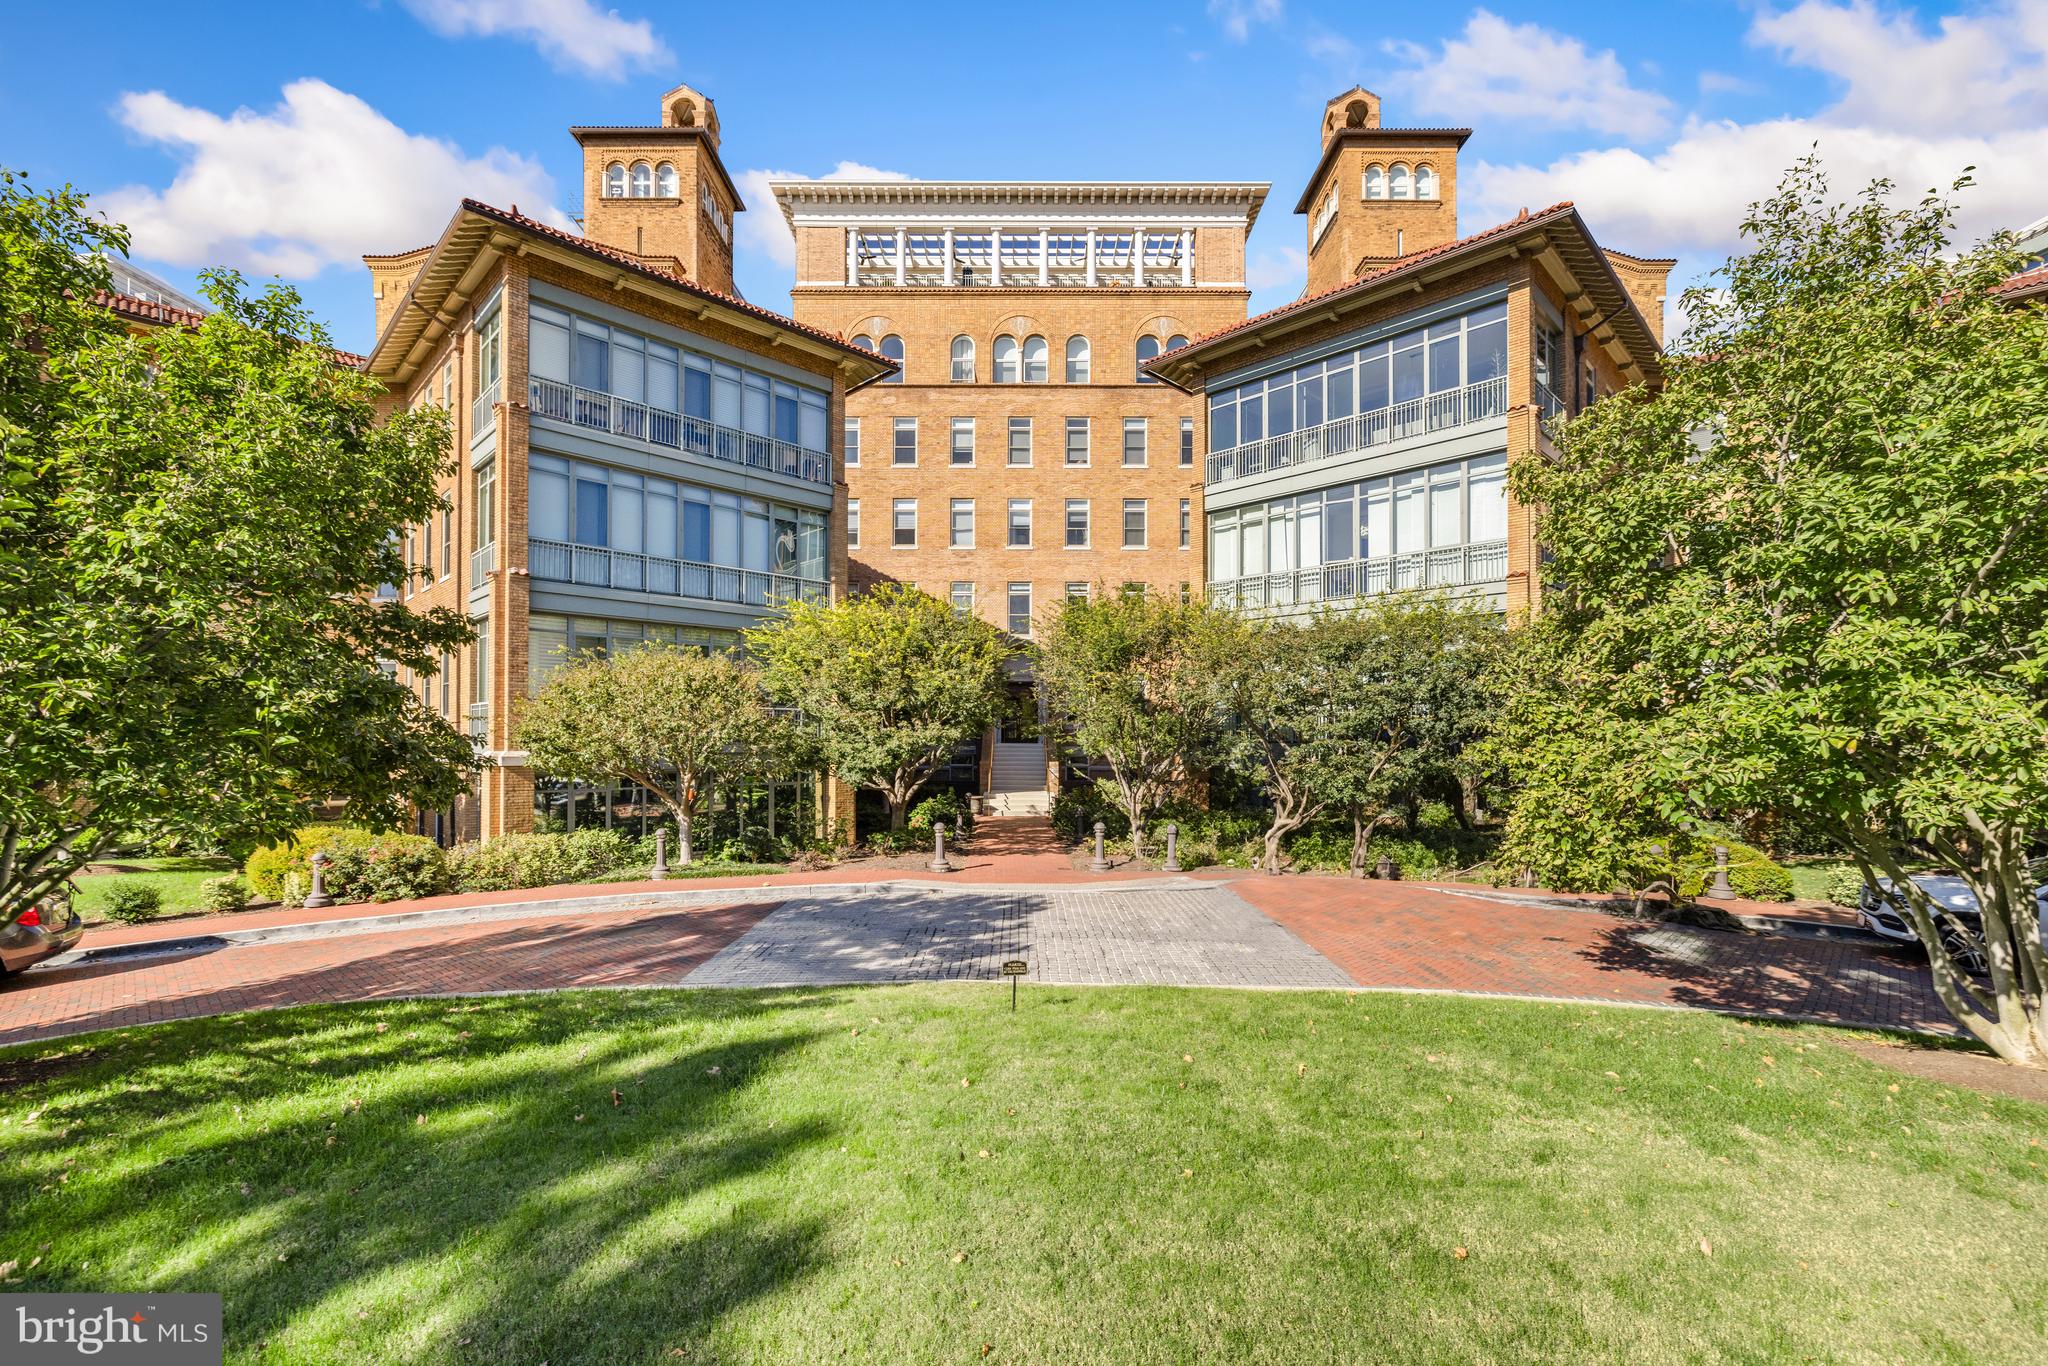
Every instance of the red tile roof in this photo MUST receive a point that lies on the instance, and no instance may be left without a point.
(1522, 220)
(513, 218)
(154, 314)
(2033, 281)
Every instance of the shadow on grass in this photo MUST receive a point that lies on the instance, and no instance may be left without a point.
(574, 1179)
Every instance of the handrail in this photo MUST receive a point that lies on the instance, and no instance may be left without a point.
(483, 410)
(1454, 566)
(1481, 402)
(602, 567)
(581, 407)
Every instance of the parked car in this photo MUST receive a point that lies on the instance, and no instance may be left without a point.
(45, 930)
(1883, 912)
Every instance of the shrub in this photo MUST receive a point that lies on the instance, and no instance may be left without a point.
(265, 868)
(221, 894)
(132, 902)
(1076, 809)
(944, 805)
(1411, 858)
(1751, 872)
(1845, 887)
(394, 867)
(1321, 846)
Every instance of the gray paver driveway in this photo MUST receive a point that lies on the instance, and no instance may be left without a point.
(1192, 936)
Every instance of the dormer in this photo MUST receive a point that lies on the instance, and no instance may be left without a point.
(1377, 193)
(660, 193)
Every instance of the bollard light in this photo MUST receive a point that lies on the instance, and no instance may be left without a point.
(938, 863)
(1172, 864)
(317, 897)
(1099, 863)
(1722, 890)
(660, 871)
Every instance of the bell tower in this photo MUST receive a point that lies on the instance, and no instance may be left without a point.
(1378, 193)
(660, 193)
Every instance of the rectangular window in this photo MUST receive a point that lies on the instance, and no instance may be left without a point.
(1020, 609)
(1134, 523)
(906, 441)
(1135, 430)
(1187, 441)
(487, 354)
(1077, 523)
(853, 441)
(1077, 441)
(427, 550)
(484, 516)
(963, 524)
(852, 523)
(1077, 592)
(480, 664)
(1020, 441)
(962, 598)
(447, 685)
(963, 441)
(904, 521)
(1187, 522)
(448, 538)
(1020, 522)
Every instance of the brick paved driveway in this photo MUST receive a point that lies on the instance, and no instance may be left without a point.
(1405, 935)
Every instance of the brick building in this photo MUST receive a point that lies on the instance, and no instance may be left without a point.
(639, 454)
(1022, 455)
(1358, 438)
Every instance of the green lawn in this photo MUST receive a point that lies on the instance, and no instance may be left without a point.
(177, 878)
(1116, 1176)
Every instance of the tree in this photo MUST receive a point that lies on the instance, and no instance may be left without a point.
(1357, 711)
(678, 722)
(1131, 678)
(893, 681)
(1810, 575)
(192, 531)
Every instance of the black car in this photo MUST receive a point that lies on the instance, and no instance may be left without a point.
(45, 930)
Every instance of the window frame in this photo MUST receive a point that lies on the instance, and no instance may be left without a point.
(954, 428)
(1086, 428)
(897, 507)
(954, 539)
(1084, 507)
(1144, 511)
(1012, 525)
(1012, 428)
(958, 360)
(1142, 427)
(898, 428)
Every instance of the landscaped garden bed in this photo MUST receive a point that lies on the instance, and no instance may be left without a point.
(1107, 1175)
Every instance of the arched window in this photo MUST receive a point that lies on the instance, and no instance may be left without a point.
(1148, 349)
(892, 347)
(1005, 361)
(963, 360)
(665, 183)
(615, 180)
(864, 342)
(1425, 182)
(1176, 340)
(1035, 368)
(1077, 360)
(643, 180)
(1397, 182)
(1375, 181)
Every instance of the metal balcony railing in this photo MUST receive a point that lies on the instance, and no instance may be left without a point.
(482, 561)
(658, 427)
(1455, 566)
(561, 562)
(1481, 402)
(483, 411)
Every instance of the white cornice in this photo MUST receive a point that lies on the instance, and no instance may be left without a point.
(844, 203)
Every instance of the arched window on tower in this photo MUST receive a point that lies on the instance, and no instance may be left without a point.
(665, 183)
(615, 180)
(963, 360)
(1005, 361)
(1375, 181)
(1425, 182)
(1398, 186)
(864, 341)
(1035, 365)
(1077, 360)
(1176, 341)
(1148, 349)
(643, 180)
(892, 347)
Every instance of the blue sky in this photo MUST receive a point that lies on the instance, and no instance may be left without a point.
(289, 139)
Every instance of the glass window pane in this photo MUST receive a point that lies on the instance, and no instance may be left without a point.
(592, 517)
(1223, 423)
(1447, 511)
(1489, 507)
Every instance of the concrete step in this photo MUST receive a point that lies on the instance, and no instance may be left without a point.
(1019, 803)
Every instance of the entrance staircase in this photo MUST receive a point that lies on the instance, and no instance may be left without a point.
(1017, 780)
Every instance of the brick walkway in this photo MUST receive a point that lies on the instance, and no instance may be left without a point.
(1407, 935)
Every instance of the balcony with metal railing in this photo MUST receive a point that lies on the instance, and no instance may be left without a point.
(601, 567)
(482, 561)
(1471, 405)
(586, 408)
(483, 411)
(1456, 566)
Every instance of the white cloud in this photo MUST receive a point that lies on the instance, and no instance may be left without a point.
(1528, 73)
(316, 181)
(572, 33)
(762, 227)
(1973, 72)
(1238, 16)
(1275, 268)
(1915, 109)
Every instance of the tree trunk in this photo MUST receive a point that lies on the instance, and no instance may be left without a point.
(897, 814)
(1361, 842)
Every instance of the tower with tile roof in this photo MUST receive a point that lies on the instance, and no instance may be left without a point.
(660, 191)
(1377, 193)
